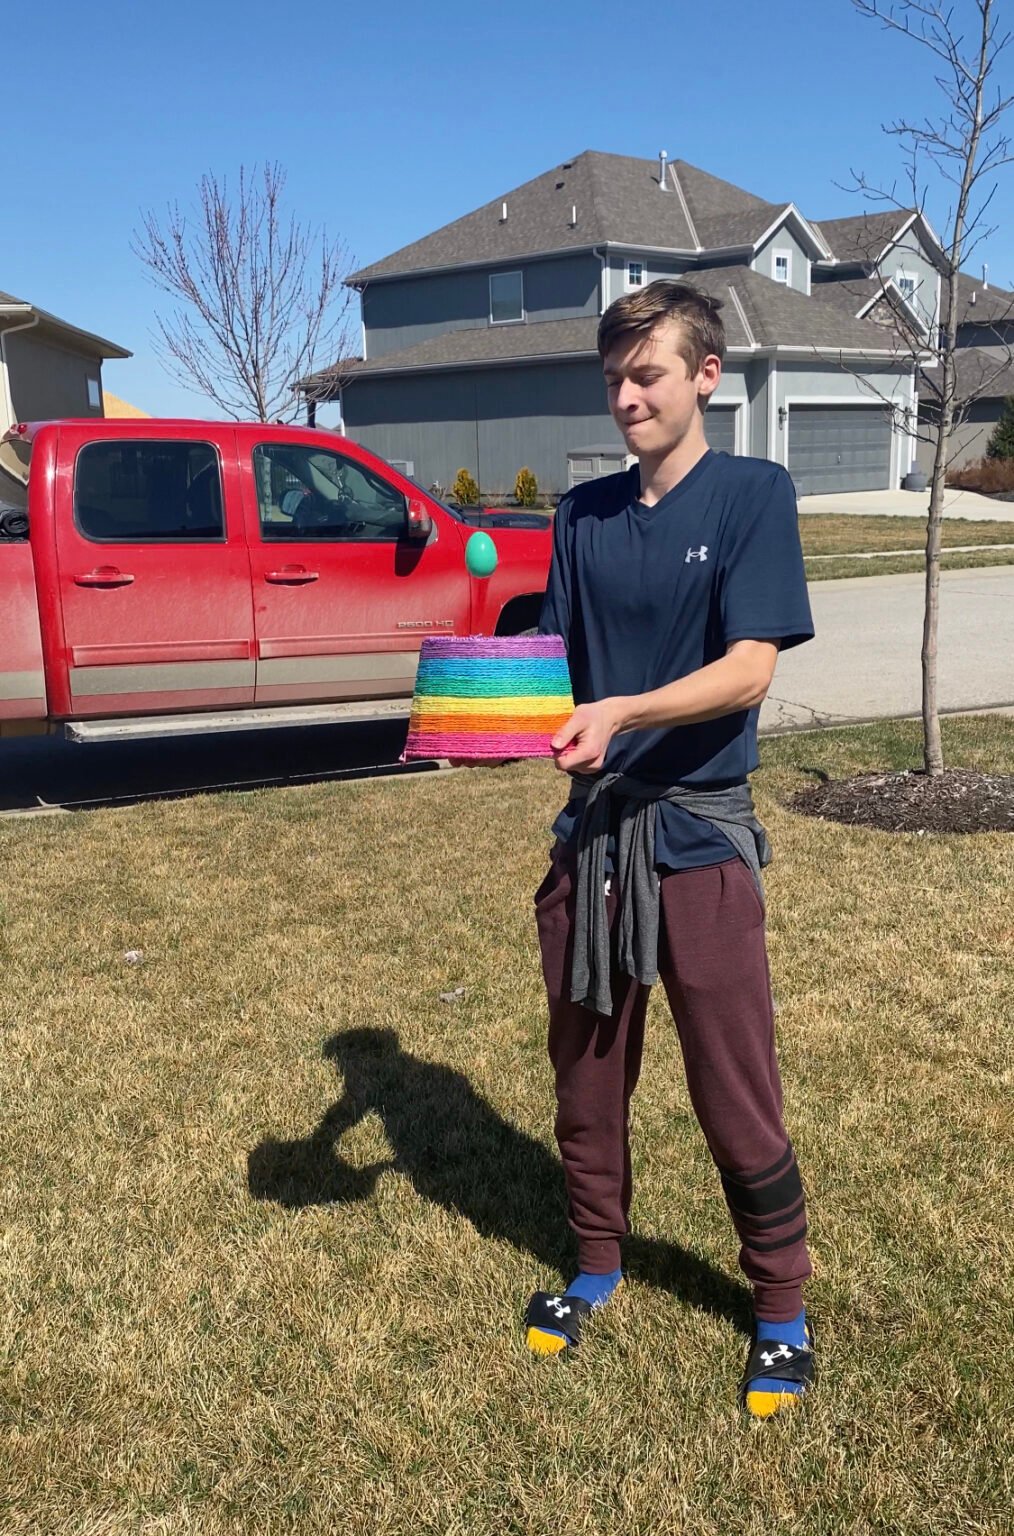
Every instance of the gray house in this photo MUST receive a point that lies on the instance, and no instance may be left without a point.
(479, 339)
(48, 368)
(985, 370)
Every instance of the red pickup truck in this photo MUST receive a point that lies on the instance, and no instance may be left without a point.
(162, 577)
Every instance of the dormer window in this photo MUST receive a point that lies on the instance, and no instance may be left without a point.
(506, 297)
(783, 267)
(635, 274)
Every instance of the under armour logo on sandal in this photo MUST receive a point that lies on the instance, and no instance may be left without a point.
(772, 1356)
(697, 554)
(555, 1305)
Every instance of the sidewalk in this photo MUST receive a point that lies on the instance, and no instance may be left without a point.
(865, 662)
(908, 504)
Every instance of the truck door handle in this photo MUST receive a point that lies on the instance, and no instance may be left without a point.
(291, 576)
(105, 576)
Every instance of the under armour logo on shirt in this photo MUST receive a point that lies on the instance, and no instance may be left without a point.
(697, 554)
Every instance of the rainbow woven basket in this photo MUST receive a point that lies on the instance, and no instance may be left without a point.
(483, 698)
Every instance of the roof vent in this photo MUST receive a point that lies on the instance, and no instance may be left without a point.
(503, 213)
(662, 160)
(573, 215)
(985, 276)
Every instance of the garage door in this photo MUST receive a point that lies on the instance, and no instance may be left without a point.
(720, 428)
(839, 448)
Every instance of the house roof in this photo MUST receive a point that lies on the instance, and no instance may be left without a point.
(112, 405)
(780, 316)
(981, 305)
(483, 344)
(85, 341)
(864, 236)
(979, 376)
(617, 200)
(759, 314)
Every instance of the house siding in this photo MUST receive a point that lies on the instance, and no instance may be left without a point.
(757, 377)
(909, 255)
(406, 311)
(968, 442)
(47, 380)
(654, 267)
(490, 421)
(997, 339)
(799, 267)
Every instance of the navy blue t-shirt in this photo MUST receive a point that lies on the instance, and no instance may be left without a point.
(645, 595)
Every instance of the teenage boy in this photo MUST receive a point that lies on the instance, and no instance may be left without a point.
(674, 584)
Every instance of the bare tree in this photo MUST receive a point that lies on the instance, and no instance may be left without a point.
(966, 147)
(260, 296)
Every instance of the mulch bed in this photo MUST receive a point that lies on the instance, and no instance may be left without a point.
(956, 801)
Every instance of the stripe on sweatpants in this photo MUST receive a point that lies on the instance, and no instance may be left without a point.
(782, 1242)
(753, 1200)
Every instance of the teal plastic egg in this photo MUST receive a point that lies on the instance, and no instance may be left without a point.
(480, 555)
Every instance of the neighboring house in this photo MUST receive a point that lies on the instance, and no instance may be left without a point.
(113, 406)
(985, 370)
(479, 339)
(47, 368)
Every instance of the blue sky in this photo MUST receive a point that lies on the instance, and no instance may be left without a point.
(395, 118)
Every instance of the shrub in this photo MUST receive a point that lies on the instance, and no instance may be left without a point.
(1001, 443)
(464, 490)
(526, 488)
(985, 475)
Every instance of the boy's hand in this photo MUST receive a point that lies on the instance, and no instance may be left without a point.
(580, 745)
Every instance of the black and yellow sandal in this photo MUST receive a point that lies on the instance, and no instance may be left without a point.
(770, 1360)
(561, 1314)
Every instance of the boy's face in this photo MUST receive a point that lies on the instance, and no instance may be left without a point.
(653, 397)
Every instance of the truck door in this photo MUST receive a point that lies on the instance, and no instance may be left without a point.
(154, 572)
(342, 597)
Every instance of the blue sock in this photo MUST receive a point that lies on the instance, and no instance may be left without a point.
(594, 1289)
(793, 1333)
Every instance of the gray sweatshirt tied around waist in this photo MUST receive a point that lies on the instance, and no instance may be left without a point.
(730, 810)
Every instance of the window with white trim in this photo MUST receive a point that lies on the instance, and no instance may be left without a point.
(635, 274)
(783, 267)
(94, 393)
(506, 297)
(906, 285)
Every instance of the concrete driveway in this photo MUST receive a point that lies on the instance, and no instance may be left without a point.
(908, 504)
(865, 662)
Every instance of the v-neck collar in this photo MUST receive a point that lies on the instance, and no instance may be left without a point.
(671, 497)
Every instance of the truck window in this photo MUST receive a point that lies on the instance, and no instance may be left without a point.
(305, 492)
(143, 492)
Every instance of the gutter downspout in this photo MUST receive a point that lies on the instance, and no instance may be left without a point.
(10, 330)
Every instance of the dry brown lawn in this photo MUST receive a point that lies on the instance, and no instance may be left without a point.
(823, 533)
(830, 540)
(842, 567)
(272, 1208)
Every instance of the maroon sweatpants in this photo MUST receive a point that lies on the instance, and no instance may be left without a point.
(713, 964)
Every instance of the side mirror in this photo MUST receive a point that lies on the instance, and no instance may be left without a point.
(420, 524)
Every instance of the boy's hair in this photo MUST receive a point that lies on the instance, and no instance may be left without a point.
(701, 330)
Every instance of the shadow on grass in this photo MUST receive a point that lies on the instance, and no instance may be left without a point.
(461, 1154)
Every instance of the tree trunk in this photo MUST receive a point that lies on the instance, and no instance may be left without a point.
(933, 751)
